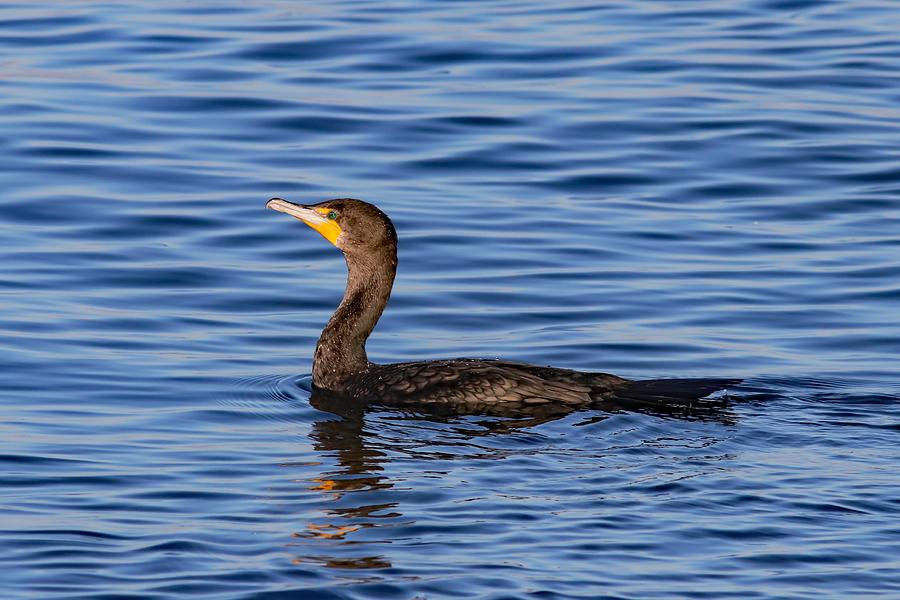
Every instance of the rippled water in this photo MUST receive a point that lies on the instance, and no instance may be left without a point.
(672, 188)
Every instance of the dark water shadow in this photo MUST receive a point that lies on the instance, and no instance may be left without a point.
(500, 418)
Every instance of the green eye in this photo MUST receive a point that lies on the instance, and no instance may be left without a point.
(332, 215)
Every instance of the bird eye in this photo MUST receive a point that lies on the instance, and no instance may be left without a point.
(332, 215)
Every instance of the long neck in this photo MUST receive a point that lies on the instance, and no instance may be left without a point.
(341, 350)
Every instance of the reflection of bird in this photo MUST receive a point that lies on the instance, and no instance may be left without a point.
(368, 240)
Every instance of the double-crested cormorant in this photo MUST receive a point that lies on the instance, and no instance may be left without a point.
(368, 240)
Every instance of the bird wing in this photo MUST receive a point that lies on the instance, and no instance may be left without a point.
(476, 383)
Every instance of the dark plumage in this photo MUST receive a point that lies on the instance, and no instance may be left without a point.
(368, 240)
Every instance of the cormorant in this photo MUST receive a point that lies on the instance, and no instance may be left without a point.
(368, 241)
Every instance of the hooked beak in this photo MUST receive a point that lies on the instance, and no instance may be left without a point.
(314, 217)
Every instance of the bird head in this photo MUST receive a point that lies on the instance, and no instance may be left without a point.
(351, 225)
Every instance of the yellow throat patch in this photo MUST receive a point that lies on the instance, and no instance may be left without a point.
(328, 228)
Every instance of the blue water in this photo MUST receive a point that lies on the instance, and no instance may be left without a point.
(661, 188)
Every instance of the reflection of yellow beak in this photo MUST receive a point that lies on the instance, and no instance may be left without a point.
(314, 217)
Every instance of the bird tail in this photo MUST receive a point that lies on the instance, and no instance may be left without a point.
(672, 391)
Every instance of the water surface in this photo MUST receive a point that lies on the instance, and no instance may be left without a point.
(653, 189)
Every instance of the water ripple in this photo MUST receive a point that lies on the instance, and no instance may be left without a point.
(652, 189)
